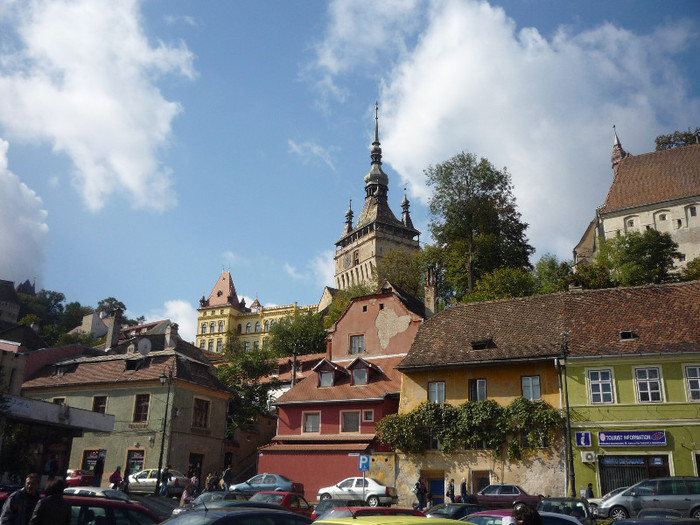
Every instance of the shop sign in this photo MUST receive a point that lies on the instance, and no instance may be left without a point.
(633, 438)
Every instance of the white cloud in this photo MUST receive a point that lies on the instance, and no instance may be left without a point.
(23, 227)
(323, 269)
(81, 75)
(180, 312)
(185, 19)
(309, 149)
(544, 108)
(233, 258)
(292, 272)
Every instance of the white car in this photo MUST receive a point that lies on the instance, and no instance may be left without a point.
(144, 482)
(367, 489)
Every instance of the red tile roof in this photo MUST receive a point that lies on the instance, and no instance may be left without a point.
(659, 176)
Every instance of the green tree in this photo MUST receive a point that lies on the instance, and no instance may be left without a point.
(475, 219)
(301, 332)
(402, 269)
(551, 275)
(592, 277)
(247, 374)
(639, 258)
(503, 283)
(73, 315)
(342, 299)
(692, 270)
(677, 139)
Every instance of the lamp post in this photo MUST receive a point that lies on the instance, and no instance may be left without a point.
(163, 379)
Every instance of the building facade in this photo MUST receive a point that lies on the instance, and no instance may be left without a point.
(223, 317)
(376, 231)
(659, 190)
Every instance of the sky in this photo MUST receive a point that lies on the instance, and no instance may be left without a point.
(147, 146)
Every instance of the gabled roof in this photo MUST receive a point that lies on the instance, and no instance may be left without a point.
(24, 336)
(655, 177)
(380, 386)
(223, 294)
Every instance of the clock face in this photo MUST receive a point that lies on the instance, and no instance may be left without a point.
(346, 260)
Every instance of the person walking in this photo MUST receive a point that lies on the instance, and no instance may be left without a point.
(19, 507)
(98, 470)
(420, 491)
(463, 490)
(116, 478)
(227, 477)
(451, 490)
(589, 491)
(125, 481)
(53, 509)
(165, 476)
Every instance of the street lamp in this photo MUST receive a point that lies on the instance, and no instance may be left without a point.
(163, 379)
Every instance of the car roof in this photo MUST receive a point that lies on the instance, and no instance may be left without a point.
(105, 502)
(493, 512)
(242, 511)
(388, 519)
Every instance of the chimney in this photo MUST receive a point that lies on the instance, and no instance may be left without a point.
(430, 293)
(114, 329)
(171, 336)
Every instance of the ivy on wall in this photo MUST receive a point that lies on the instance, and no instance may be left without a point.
(472, 425)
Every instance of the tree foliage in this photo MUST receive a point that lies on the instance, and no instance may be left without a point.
(402, 269)
(474, 220)
(677, 139)
(692, 270)
(472, 425)
(342, 299)
(503, 283)
(302, 332)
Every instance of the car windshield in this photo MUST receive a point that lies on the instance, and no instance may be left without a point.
(336, 513)
(208, 496)
(270, 497)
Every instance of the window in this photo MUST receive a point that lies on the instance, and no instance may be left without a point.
(99, 404)
(477, 390)
(531, 387)
(200, 413)
(267, 325)
(662, 217)
(368, 415)
(59, 400)
(202, 345)
(692, 375)
(246, 346)
(630, 223)
(693, 211)
(141, 408)
(601, 386)
(627, 335)
(325, 378)
(350, 421)
(204, 328)
(211, 327)
(221, 326)
(210, 346)
(648, 385)
(312, 421)
(357, 344)
(436, 391)
(247, 328)
(359, 376)
(257, 326)
(256, 345)
(219, 344)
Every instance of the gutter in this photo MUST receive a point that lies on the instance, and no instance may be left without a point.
(476, 363)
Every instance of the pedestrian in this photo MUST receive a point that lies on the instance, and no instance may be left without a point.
(187, 495)
(194, 480)
(53, 509)
(165, 477)
(463, 490)
(227, 478)
(125, 481)
(98, 469)
(214, 481)
(420, 491)
(526, 515)
(18, 508)
(116, 478)
(589, 491)
(451, 490)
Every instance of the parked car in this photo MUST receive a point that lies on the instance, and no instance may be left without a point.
(357, 512)
(289, 500)
(656, 514)
(594, 502)
(383, 520)
(675, 493)
(327, 504)
(144, 482)
(495, 517)
(239, 515)
(96, 492)
(268, 481)
(453, 511)
(77, 478)
(368, 489)
(90, 510)
(207, 498)
(575, 507)
(503, 496)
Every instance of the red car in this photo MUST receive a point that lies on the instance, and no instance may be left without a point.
(80, 478)
(503, 496)
(289, 500)
(354, 512)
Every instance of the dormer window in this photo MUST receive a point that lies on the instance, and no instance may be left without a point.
(359, 376)
(627, 335)
(483, 344)
(325, 378)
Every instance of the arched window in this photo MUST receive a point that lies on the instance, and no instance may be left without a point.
(218, 345)
(221, 326)
(211, 328)
(267, 325)
(239, 329)
(256, 345)
(204, 328)
(210, 347)
(257, 326)
(247, 328)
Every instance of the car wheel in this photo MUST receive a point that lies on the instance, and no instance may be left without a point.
(519, 506)
(695, 514)
(594, 508)
(325, 496)
(373, 501)
(618, 513)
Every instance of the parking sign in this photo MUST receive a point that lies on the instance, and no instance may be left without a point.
(363, 462)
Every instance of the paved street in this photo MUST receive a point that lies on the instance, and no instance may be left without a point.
(159, 505)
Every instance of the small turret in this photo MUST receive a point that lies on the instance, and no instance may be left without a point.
(348, 220)
(618, 153)
(405, 214)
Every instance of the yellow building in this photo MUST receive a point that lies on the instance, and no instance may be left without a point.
(223, 316)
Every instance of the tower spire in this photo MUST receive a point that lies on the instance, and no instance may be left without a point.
(376, 177)
(618, 153)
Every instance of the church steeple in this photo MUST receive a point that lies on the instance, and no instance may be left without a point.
(376, 181)
(405, 214)
(348, 220)
(618, 153)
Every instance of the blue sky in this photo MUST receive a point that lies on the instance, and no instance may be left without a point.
(146, 146)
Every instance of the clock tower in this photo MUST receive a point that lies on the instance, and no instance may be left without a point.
(377, 229)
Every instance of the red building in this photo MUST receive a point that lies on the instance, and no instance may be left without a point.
(328, 419)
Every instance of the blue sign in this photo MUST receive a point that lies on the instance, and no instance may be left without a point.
(363, 463)
(633, 438)
(583, 439)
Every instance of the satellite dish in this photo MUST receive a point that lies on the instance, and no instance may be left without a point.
(144, 346)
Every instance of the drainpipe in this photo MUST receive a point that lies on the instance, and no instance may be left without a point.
(569, 448)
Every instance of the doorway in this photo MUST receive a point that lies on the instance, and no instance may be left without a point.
(480, 479)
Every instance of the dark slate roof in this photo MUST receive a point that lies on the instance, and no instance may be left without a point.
(24, 336)
(7, 292)
(520, 328)
(654, 177)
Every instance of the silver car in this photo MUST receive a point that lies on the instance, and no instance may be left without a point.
(676, 493)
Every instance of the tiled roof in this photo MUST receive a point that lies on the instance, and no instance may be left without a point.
(659, 176)
(657, 318)
(304, 365)
(518, 328)
(224, 293)
(387, 382)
